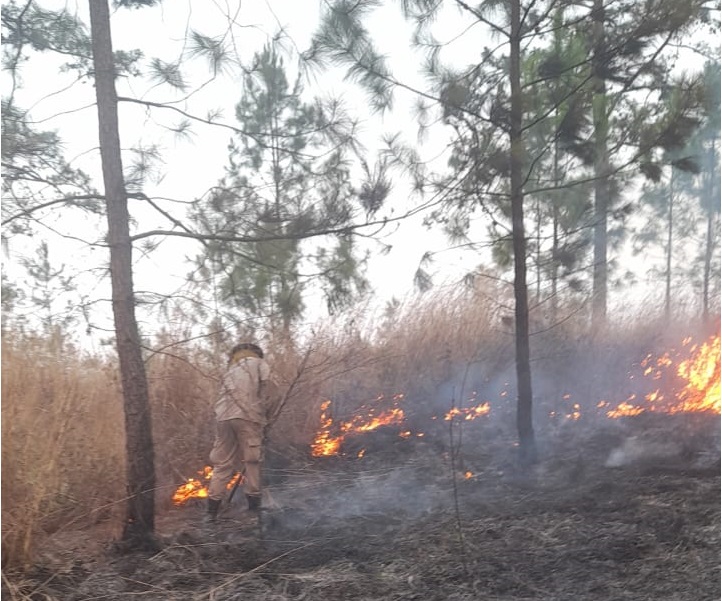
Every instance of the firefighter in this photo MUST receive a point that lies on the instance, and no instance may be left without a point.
(241, 414)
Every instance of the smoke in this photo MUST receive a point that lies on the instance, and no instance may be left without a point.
(637, 450)
(476, 383)
(316, 499)
(575, 384)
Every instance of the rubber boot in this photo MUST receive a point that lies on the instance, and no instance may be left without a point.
(213, 507)
(254, 503)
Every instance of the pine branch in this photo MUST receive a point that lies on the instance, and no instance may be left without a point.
(27, 212)
(257, 137)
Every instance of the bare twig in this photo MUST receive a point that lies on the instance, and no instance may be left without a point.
(277, 409)
(454, 449)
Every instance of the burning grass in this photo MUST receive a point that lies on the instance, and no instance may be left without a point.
(387, 432)
(388, 527)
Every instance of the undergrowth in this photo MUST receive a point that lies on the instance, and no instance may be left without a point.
(62, 412)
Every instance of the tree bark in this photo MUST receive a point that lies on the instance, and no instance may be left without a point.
(670, 234)
(710, 191)
(527, 444)
(140, 474)
(601, 168)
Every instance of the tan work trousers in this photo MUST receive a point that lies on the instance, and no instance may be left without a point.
(237, 444)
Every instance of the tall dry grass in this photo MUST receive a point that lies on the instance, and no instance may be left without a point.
(62, 441)
(182, 387)
(62, 416)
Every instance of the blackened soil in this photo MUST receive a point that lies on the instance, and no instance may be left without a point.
(630, 512)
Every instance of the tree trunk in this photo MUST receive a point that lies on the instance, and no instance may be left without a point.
(707, 265)
(601, 168)
(711, 203)
(527, 445)
(538, 253)
(140, 475)
(555, 231)
(670, 233)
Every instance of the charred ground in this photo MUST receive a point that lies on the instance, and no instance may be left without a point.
(623, 509)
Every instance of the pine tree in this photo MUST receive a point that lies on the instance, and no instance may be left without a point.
(48, 283)
(288, 178)
(484, 103)
(558, 187)
(707, 144)
(628, 54)
(138, 531)
(686, 200)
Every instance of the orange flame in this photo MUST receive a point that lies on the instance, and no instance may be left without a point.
(576, 412)
(693, 385)
(692, 382)
(325, 444)
(701, 372)
(468, 413)
(197, 488)
(624, 410)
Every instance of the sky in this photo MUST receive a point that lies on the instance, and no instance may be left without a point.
(190, 167)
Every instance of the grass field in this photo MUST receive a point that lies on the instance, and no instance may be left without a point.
(429, 505)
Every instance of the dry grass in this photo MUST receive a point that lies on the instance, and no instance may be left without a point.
(62, 441)
(182, 390)
(62, 417)
(386, 528)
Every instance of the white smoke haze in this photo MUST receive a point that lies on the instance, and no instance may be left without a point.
(422, 482)
(467, 461)
(635, 449)
(401, 490)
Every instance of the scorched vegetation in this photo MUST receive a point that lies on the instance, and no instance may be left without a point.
(392, 471)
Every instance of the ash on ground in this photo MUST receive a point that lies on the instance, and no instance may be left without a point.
(628, 509)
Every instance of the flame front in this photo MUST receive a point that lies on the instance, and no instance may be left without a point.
(325, 444)
(468, 413)
(685, 381)
(197, 488)
(693, 386)
(701, 372)
(624, 410)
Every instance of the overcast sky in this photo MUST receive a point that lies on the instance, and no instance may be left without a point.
(191, 166)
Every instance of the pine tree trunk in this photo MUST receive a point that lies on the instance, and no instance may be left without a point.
(710, 192)
(527, 445)
(555, 235)
(601, 169)
(538, 253)
(140, 475)
(670, 233)
(707, 265)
